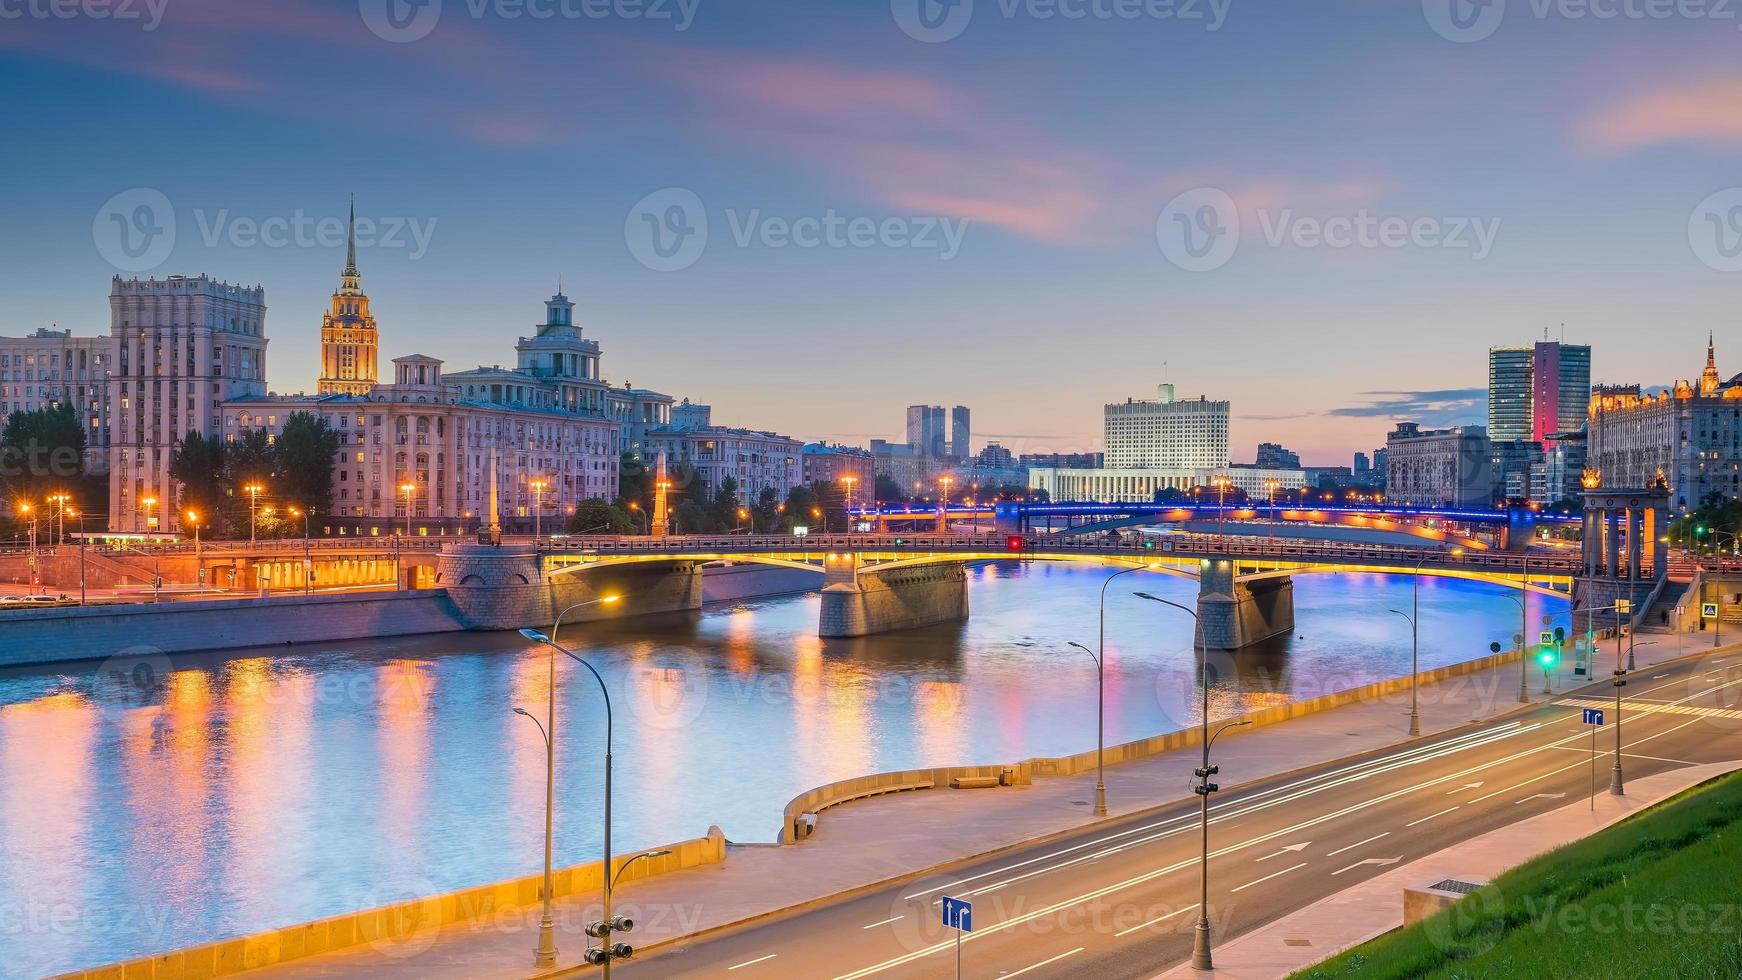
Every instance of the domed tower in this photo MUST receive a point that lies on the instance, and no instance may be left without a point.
(349, 343)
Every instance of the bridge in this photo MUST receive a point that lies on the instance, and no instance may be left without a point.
(875, 583)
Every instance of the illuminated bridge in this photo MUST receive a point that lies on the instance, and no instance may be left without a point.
(875, 583)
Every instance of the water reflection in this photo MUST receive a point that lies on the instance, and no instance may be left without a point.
(250, 790)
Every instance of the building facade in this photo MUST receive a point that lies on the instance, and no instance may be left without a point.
(825, 463)
(1689, 436)
(960, 437)
(1166, 434)
(183, 347)
(350, 344)
(1439, 467)
(1536, 391)
(755, 460)
(1274, 456)
(50, 368)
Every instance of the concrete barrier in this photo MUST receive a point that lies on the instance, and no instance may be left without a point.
(400, 923)
(1022, 773)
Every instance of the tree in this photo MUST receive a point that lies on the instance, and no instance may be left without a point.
(887, 490)
(305, 455)
(198, 464)
(801, 502)
(42, 452)
(599, 517)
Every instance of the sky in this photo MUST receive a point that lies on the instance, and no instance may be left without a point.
(813, 214)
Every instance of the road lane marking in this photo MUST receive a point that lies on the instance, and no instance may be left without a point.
(1475, 785)
(1541, 796)
(1159, 918)
(1296, 848)
(885, 922)
(761, 959)
(1633, 755)
(1042, 963)
(1576, 765)
(1266, 878)
(1358, 864)
(1648, 707)
(1431, 816)
(1358, 844)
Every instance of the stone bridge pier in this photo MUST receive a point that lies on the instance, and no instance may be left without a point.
(1233, 614)
(861, 601)
(504, 587)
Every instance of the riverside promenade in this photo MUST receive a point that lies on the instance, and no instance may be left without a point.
(862, 844)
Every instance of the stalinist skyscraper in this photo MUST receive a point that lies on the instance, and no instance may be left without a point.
(349, 343)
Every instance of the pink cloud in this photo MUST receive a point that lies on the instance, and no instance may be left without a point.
(1705, 111)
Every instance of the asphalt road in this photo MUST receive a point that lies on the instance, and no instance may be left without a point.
(1119, 899)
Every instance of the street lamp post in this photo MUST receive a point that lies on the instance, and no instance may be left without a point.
(408, 489)
(1201, 959)
(1523, 631)
(149, 503)
(944, 503)
(848, 481)
(253, 492)
(308, 563)
(537, 508)
(1100, 729)
(607, 925)
(1615, 787)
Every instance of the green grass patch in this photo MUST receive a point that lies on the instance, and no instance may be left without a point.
(1657, 895)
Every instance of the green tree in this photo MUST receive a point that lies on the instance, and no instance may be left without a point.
(599, 517)
(887, 490)
(801, 502)
(42, 453)
(198, 464)
(305, 454)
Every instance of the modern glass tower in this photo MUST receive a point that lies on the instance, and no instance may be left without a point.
(1537, 391)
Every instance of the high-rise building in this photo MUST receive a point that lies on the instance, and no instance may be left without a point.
(51, 368)
(1537, 391)
(1166, 434)
(349, 341)
(959, 432)
(183, 347)
(925, 430)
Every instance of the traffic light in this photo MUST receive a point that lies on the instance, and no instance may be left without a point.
(1014, 542)
(1547, 657)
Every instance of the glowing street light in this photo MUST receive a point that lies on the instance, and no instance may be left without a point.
(253, 491)
(538, 488)
(408, 489)
(149, 503)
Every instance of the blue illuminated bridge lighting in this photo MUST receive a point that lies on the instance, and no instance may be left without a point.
(1008, 510)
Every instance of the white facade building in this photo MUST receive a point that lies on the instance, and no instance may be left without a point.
(52, 367)
(1166, 434)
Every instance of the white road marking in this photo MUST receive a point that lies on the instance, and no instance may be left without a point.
(1042, 963)
(1431, 816)
(1460, 789)
(761, 959)
(1358, 844)
(1296, 848)
(1267, 877)
(883, 923)
(1358, 864)
(1162, 918)
(1541, 796)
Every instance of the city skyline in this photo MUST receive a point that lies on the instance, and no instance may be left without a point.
(1597, 230)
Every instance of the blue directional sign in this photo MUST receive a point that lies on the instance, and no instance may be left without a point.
(958, 914)
(1593, 716)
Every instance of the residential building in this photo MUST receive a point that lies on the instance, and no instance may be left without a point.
(1439, 467)
(828, 463)
(913, 472)
(1514, 462)
(183, 347)
(1563, 467)
(50, 368)
(1273, 456)
(755, 460)
(1689, 436)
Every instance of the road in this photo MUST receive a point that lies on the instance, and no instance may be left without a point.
(1119, 899)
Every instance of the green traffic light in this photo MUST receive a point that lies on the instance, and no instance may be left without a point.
(1546, 658)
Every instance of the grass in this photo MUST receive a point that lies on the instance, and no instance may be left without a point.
(1657, 895)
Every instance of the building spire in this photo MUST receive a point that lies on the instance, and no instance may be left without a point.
(350, 280)
(1709, 380)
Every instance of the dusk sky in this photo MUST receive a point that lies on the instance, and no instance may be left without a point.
(1559, 170)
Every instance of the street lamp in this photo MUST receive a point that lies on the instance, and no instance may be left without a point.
(1201, 936)
(849, 481)
(60, 511)
(1414, 713)
(1100, 729)
(308, 564)
(408, 489)
(149, 503)
(253, 492)
(645, 516)
(746, 519)
(944, 504)
(607, 925)
(538, 487)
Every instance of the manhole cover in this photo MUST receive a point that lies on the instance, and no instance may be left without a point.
(1453, 885)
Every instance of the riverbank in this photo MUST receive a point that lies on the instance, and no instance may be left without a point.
(70, 634)
(874, 841)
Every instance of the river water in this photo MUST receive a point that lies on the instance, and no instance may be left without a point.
(217, 795)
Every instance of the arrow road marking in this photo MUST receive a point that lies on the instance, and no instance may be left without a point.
(1297, 848)
(1358, 844)
(1358, 864)
(1540, 796)
(1460, 789)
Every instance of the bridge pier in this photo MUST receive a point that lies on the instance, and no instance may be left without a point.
(860, 601)
(503, 587)
(1234, 614)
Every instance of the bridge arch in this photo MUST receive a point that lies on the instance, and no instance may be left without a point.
(1490, 578)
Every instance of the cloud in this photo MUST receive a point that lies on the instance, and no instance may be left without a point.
(1446, 406)
(1707, 111)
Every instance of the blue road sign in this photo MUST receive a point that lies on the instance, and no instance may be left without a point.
(1593, 716)
(958, 914)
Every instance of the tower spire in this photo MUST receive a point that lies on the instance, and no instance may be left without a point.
(350, 280)
(1709, 380)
